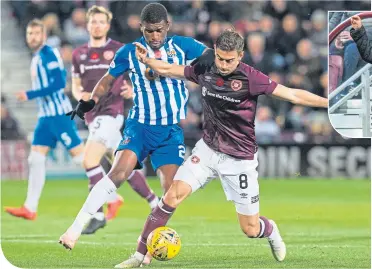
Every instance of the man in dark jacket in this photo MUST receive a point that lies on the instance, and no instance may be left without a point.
(359, 34)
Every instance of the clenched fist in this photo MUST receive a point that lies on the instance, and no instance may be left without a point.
(356, 22)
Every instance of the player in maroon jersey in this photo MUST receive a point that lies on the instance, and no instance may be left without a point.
(228, 149)
(90, 63)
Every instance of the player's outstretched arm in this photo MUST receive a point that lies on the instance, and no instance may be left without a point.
(299, 97)
(77, 89)
(102, 87)
(160, 67)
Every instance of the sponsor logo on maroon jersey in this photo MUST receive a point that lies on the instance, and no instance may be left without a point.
(220, 82)
(195, 159)
(236, 85)
(108, 55)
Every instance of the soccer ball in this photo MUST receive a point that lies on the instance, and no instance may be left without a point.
(163, 243)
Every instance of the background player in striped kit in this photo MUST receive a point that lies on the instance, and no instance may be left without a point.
(48, 78)
(151, 127)
(228, 149)
(90, 62)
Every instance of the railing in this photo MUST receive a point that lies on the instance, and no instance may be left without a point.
(363, 87)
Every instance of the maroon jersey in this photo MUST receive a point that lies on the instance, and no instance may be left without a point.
(229, 107)
(90, 64)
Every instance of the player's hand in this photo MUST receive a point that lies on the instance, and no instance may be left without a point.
(21, 96)
(82, 108)
(126, 90)
(356, 22)
(141, 52)
(204, 62)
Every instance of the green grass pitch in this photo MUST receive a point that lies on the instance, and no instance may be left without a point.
(325, 224)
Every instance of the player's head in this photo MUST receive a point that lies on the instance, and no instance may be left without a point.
(229, 51)
(98, 22)
(35, 34)
(154, 24)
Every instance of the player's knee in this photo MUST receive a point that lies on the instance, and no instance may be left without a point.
(178, 192)
(36, 158)
(118, 176)
(250, 229)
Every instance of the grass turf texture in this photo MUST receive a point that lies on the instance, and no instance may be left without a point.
(325, 224)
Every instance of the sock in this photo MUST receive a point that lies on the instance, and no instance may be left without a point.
(138, 183)
(95, 174)
(266, 228)
(36, 180)
(158, 217)
(96, 198)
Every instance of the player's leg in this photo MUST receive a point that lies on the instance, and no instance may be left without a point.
(43, 140)
(128, 156)
(239, 180)
(191, 176)
(168, 156)
(103, 132)
(255, 226)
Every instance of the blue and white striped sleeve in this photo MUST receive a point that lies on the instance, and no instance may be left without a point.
(53, 76)
(192, 48)
(120, 63)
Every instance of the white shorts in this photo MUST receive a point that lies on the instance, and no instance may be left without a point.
(239, 178)
(106, 130)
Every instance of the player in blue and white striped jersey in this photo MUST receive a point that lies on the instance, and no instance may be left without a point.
(48, 82)
(159, 104)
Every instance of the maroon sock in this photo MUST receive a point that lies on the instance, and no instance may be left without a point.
(266, 228)
(95, 174)
(158, 217)
(138, 183)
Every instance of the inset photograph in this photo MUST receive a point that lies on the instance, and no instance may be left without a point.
(350, 72)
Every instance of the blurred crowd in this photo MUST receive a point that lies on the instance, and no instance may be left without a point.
(344, 57)
(285, 40)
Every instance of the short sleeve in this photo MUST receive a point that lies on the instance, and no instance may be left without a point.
(120, 63)
(189, 74)
(259, 83)
(75, 69)
(191, 47)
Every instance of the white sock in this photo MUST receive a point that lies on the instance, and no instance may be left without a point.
(36, 180)
(96, 198)
(99, 216)
(99, 170)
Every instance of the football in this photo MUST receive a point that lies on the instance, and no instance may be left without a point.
(163, 243)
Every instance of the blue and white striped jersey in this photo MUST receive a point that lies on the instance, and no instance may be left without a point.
(48, 78)
(157, 100)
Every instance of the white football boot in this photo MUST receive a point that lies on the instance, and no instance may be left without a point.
(132, 262)
(276, 243)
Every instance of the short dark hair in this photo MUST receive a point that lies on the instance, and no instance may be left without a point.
(230, 40)
(154, 13)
